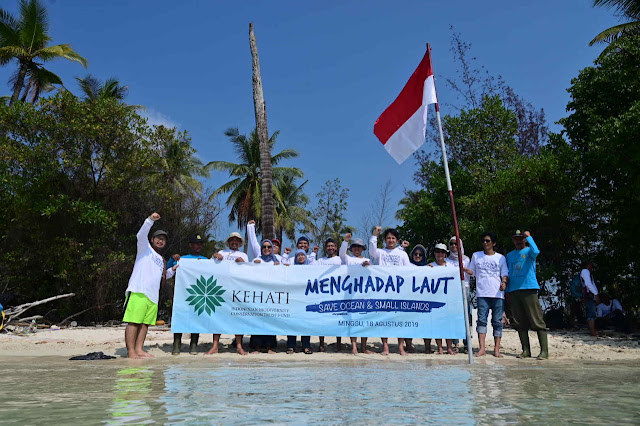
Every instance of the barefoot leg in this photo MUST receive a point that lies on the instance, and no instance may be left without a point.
(239, 348)
(385, 346)
(354, 345)
(401, 350)
(140, 338)
(496, 349)
(321, 347)
(216, 343)
(427, 346)
(130, 334)
(363, 346)
(439, 345)
(481, 348)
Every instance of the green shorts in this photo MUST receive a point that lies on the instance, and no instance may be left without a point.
(140, 310)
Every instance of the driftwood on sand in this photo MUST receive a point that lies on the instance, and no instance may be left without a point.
(14, 313)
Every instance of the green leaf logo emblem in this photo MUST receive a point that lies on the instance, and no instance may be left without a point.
(205, 295)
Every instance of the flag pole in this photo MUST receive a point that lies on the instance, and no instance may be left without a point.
(465, 300)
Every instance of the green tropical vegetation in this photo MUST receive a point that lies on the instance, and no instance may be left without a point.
(244, 188)
(78, 173)
(25, 40)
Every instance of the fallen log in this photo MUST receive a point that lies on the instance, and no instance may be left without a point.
(15, 312)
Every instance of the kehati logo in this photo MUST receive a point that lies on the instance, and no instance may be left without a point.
(205, 295)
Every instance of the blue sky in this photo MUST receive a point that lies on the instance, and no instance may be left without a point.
(329, 68)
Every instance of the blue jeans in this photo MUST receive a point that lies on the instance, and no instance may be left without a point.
(496, 305)
(590, 304)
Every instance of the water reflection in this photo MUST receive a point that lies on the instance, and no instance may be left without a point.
(326, 393)
(391, 390)
(131, 390)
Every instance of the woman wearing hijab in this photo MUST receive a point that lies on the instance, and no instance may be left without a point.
(418, 257)
(300, 258)
(258, 342)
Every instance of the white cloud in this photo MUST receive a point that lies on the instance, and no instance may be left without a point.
(158, 119)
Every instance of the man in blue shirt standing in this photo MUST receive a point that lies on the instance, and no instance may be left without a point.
(522, 293)
(195, 248)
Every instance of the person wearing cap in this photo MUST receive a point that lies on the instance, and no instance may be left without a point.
(149, 271)
(440, 253)
(391, 255)
(301, 244)
(492, 274)
(195, 252)
(232, 254)
(331, 258)
(299, 259)
(522, 293)
(356, 247)
(256, 248)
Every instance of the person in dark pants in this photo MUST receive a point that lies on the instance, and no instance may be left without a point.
(300, 258)
(522, 294)
(195, 252)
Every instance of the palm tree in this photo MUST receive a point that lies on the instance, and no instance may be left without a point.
(629, 9)
(179, 166)
(25, 40)
(92, 88)
(268, 211)
(290, 202)
(245, 186)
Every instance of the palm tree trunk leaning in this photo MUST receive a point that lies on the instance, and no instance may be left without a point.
(267, 220)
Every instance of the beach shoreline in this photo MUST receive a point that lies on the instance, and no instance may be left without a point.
(67, 342)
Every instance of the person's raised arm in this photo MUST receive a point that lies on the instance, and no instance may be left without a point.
(373, 244)
(143, 233)
(343, 248)
(253, 240)
(534, 250)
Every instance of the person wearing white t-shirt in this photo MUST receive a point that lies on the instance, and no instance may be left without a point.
(491, 272)
(356, 247)
(440, 253)
(301, 244)
(389, 256)
(610, 313)
(232, 254)
(331, 258)
(149, 270)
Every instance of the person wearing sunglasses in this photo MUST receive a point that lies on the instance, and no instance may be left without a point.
(256, 247)
(491, 272)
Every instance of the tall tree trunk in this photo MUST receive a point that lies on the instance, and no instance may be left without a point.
(19, 83)
(267, 220)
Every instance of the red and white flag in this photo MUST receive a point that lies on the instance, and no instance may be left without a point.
(401, 126)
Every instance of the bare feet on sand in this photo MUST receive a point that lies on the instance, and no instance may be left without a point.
(480, 353)
(321, 348)
(450, 351)
(496, 353)
(240, 351)
(214, 350)
(144, 354)
(385, 348)
(133, 355)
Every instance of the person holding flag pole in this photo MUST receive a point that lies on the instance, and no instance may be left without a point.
(401, 129)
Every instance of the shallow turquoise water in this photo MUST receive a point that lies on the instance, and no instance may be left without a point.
(197, 391)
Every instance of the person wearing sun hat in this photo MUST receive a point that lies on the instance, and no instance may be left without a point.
(196, 243)
(231, 254)
(440, 253)
(356, 246)
(522, 293)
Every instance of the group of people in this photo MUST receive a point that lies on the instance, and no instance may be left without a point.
(602, 311)
(495, 275)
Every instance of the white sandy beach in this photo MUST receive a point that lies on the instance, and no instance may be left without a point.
(68, 342)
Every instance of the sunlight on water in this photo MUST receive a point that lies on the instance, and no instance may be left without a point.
(199, 391)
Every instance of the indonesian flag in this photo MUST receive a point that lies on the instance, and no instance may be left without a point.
(401, 126)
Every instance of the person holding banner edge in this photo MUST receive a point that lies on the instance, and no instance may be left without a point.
(331, 258)
(356, 248)
(299, 258)
(389, 256)
(195, 249)
(234, 242)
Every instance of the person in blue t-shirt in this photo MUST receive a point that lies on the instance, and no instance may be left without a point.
(195, 246)
(522, 293)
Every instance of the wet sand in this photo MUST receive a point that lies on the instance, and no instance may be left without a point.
(563, 345)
